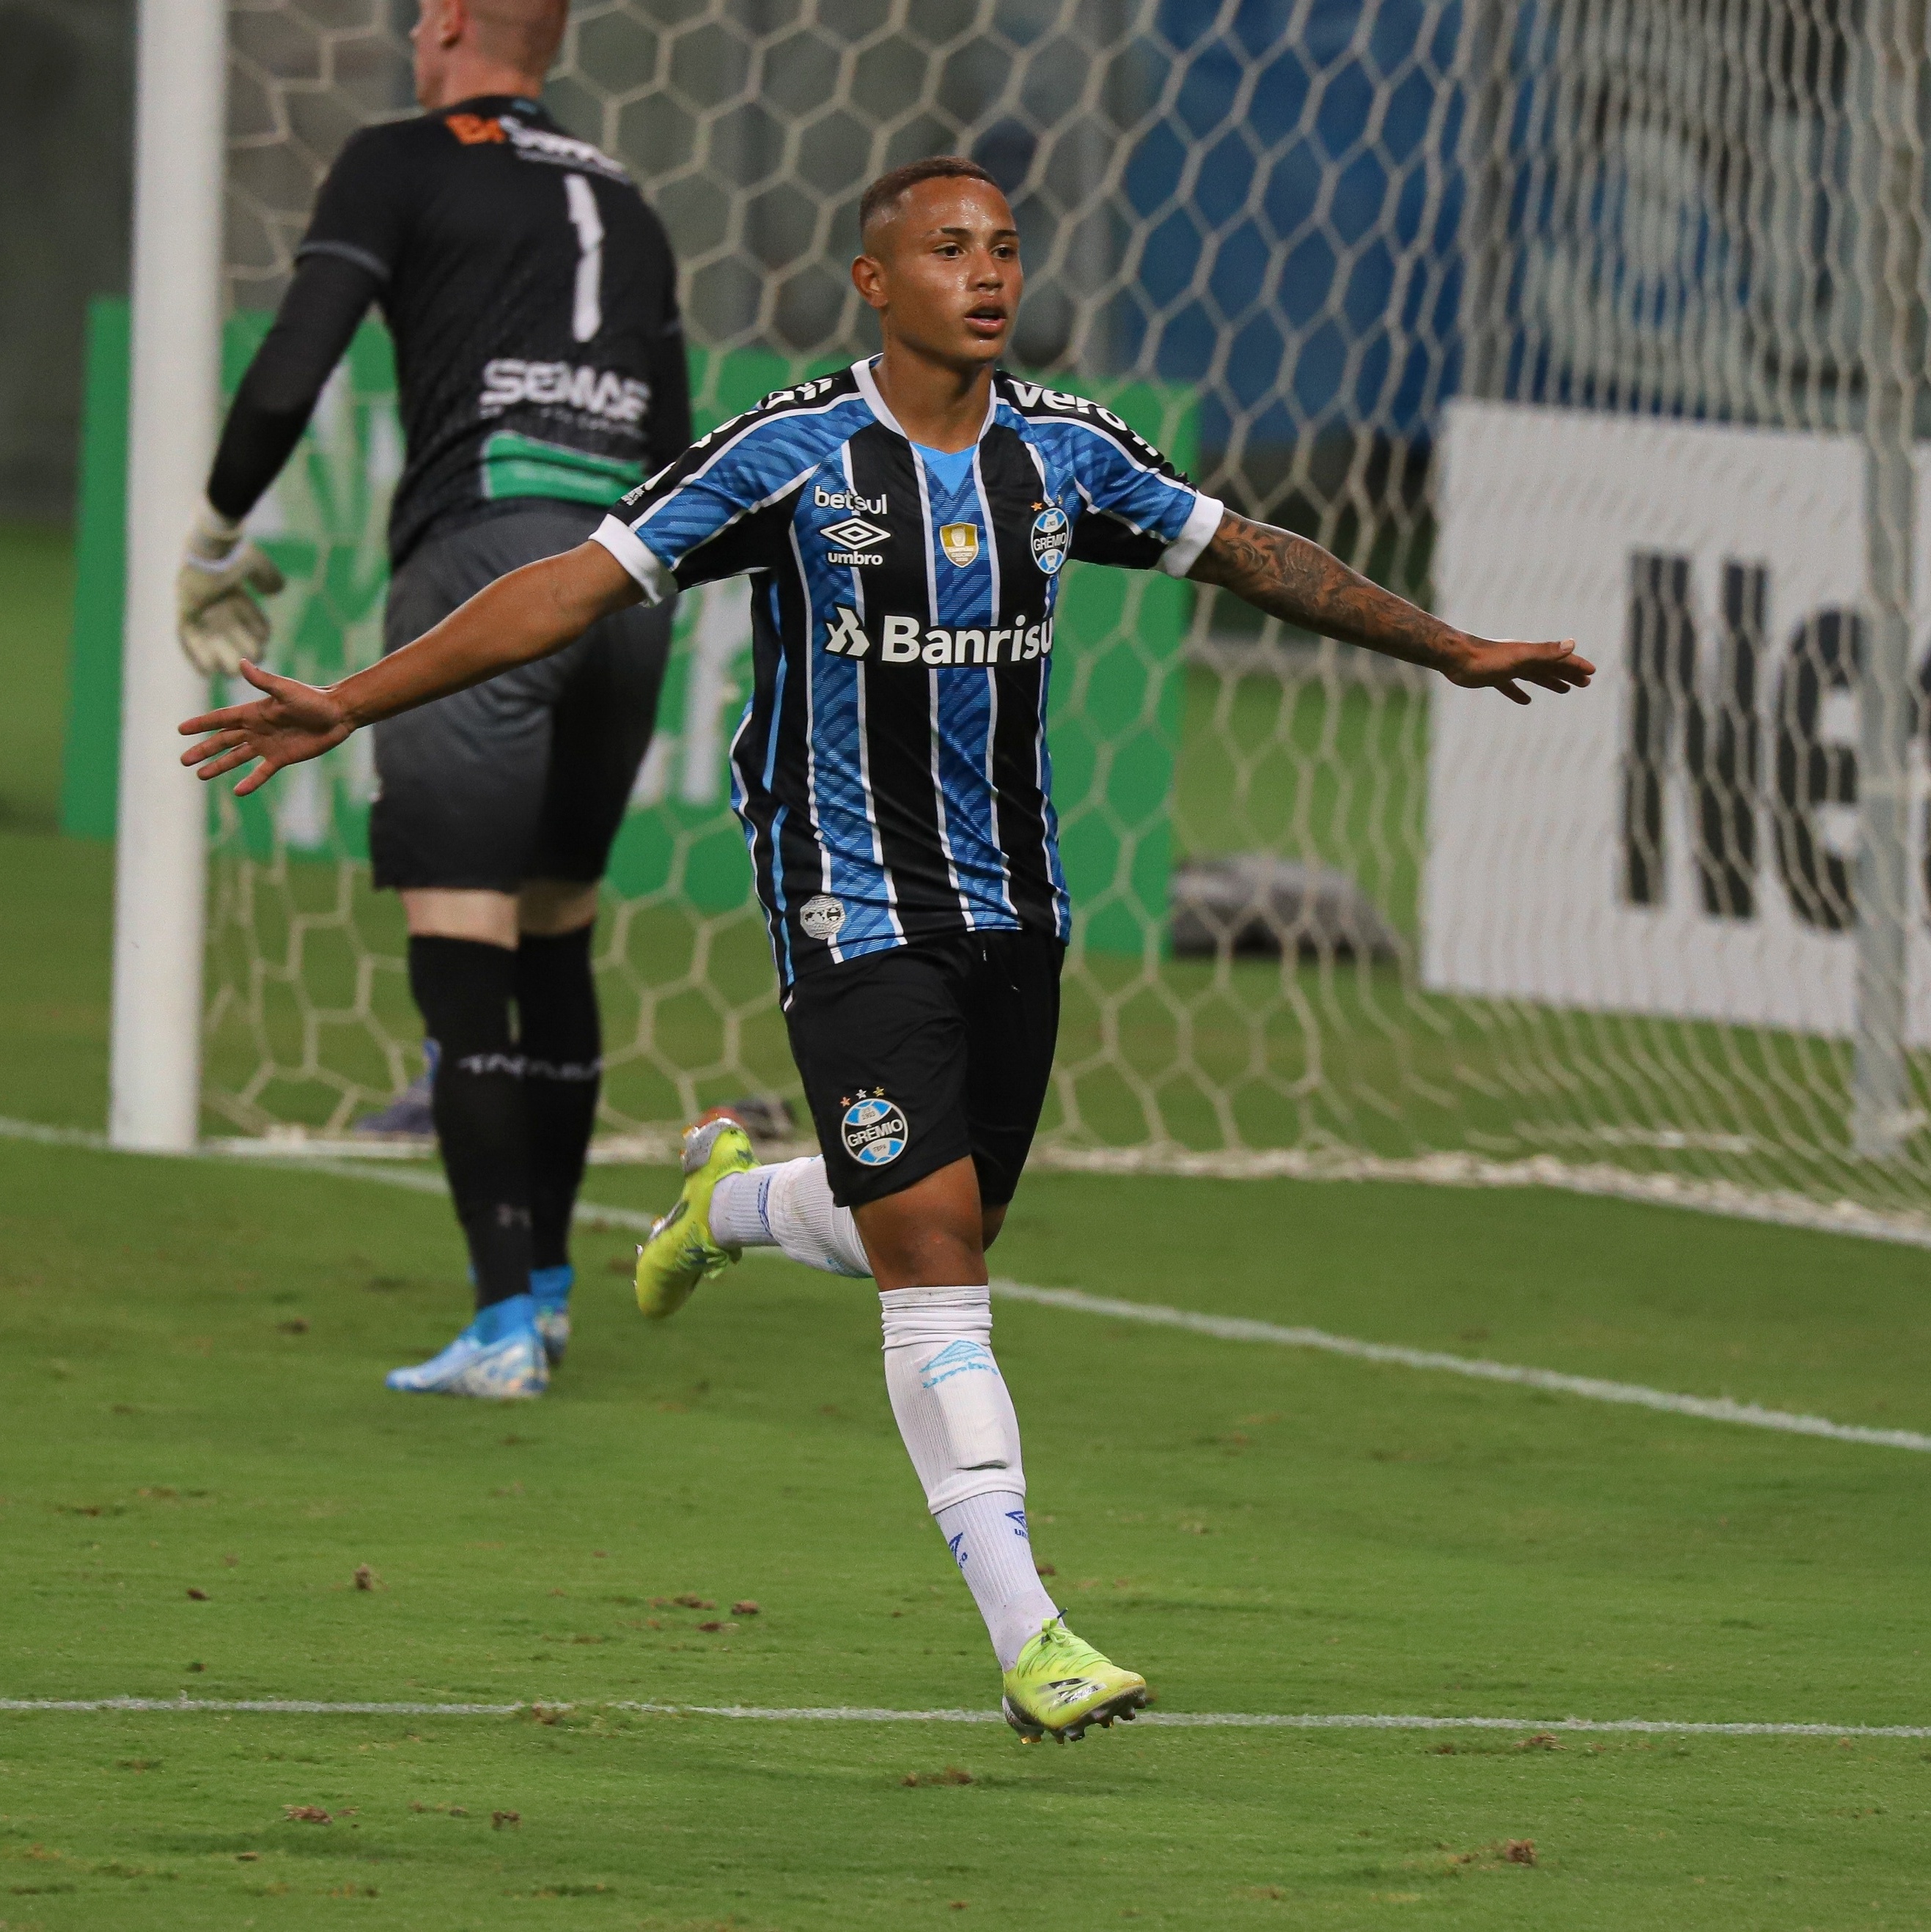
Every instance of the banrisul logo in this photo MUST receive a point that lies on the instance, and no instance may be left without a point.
(1052, 536)
(873, 1129)
(846, 638)
(907, 641)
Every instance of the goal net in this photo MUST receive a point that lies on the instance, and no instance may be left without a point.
(1585, 317)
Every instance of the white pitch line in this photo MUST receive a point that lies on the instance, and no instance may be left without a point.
(1223, 1328)
(1234, 1328)
(859, 1714)
(297, 1707)
(1779, 1208)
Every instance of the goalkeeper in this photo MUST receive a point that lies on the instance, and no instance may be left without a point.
(531, 295)
(904, 523)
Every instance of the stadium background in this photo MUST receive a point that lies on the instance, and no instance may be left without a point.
(1284, 238)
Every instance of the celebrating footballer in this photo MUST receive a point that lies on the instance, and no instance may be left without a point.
(905, 524)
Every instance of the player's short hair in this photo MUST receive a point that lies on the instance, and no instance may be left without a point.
(881, 199)
(526, 34)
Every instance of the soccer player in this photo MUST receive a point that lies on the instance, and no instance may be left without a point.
(532, 296)
(905, 523)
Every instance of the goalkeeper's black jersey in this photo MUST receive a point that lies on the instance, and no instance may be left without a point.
(532, 297)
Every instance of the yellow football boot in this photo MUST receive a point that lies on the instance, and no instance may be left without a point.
(680, 1252)
(1060, 1684)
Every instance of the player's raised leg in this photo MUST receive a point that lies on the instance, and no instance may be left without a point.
(728, 1204)
(683, 1249)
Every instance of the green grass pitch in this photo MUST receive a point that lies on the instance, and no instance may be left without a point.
(190, 1402)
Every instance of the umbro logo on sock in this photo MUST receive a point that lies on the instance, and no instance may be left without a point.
(957, 1358)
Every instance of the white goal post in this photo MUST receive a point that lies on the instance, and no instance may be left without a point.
(160, 866)
(1604, 316)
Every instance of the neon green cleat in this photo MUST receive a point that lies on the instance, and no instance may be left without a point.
(1061, 1685)
(680, 1252)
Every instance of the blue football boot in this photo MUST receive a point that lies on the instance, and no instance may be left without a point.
(500, 1356)
(550, 1288)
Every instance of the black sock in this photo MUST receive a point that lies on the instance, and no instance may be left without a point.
(463, 987)
(562, 1035)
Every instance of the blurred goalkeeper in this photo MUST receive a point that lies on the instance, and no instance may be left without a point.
(540, 363)
(904, 523)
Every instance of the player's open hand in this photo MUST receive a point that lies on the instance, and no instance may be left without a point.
(292, 722)
(1508, 664)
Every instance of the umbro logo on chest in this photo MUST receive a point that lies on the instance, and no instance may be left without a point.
(855, 532)
(855, 539)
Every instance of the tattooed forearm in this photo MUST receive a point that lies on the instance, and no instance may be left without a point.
(1302, 584)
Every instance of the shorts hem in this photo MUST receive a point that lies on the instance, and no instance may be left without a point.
(388, 880)
(880, 1184)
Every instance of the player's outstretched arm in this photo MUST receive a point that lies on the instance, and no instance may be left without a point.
(526, 615)
(1302, 584)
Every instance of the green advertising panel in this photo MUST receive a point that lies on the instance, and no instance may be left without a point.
(1115, 709)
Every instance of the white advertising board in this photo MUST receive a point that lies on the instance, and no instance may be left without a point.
(1680, 838)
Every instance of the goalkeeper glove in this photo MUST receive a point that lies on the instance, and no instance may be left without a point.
(221, 623)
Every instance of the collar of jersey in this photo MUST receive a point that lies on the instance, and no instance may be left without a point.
(868, 388)
(493, 104)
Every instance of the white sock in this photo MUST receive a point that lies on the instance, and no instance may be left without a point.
(987, 1536)
(957, 1423)
(788, 1206)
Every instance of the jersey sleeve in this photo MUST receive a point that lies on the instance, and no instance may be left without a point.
(718, 510)
(326, 301)
(1137, 510)
(362, 211)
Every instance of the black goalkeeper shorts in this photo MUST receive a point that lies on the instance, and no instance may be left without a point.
(526, 776)
(928, 1053)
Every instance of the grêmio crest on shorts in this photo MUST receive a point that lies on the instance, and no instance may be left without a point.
(891, 770)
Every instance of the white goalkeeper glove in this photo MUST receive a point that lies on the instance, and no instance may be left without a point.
(221, 623)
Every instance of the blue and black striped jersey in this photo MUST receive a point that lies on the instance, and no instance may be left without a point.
(891, 770)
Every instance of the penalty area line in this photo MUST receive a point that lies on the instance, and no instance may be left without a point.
(1222, 1327)
(1232, 1328)
(860, 1714)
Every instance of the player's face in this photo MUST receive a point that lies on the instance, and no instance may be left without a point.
(945, 274)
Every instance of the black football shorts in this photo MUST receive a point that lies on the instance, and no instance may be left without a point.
(526, 776)
(927, 1055)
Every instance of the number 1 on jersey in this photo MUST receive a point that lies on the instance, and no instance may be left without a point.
(587, 317)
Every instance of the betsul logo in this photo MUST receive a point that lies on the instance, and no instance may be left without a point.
(874, 1130)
